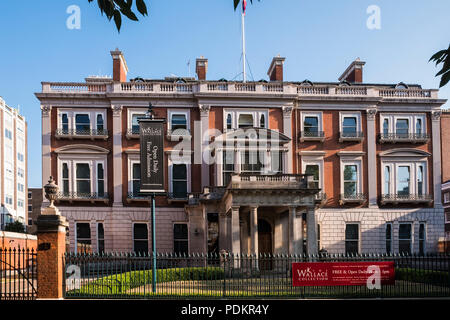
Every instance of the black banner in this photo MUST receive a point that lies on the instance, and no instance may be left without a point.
(151, 133)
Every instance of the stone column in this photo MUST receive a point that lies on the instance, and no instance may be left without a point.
(46, 146)
(223, 237)
(235, 235)
(204, 122)
(372, 158)
(51, 234)
(312, 234)
(117, 155)
(254, 230)
(287, 130)
(436, 143)
(295, 231)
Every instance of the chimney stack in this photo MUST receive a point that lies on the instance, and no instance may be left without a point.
(275, 72)
(354, 72)
(120, 68)
(201, 68)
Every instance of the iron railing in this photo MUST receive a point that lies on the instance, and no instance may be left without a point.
(83, 196)
(404, 137)
(351, 135)
(134, 131)
(353, 197)
(18, 274)
(129, 275)
(406, 197)
(81, 132)
(312, 134)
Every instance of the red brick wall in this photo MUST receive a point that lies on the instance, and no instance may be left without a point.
(12, 240)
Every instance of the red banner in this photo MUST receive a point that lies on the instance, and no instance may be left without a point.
(342, 273)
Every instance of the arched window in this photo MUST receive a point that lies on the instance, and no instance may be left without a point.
(262, 121)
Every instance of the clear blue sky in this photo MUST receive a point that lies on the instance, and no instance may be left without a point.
(318, 38)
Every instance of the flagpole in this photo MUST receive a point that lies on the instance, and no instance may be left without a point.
(243, 46)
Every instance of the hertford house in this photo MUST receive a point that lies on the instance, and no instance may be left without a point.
(250, 167)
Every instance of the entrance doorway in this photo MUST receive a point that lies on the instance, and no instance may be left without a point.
(265, 244)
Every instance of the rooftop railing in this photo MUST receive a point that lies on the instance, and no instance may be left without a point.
(236, 87)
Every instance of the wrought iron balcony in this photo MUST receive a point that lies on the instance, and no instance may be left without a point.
(312, 136)
(406, 198)
(351, 136)
(176, 134)
(352, 198)
(83, 196)
(137, 196)
(132, 133)
(404, 137)
(82, 133)
(177, 197)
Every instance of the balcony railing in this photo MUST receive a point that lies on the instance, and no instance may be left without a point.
(180, 132)
(352, 198)
(406, 198)
(351, 136)
(83, 196)
(275, 181)
(177, 196)
(404, 137)
(312, 136)
(82, 133)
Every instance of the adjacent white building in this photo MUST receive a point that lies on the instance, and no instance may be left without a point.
(13, 166)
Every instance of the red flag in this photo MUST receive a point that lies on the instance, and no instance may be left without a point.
(244, 6)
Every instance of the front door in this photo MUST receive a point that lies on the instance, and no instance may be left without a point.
(265, 244)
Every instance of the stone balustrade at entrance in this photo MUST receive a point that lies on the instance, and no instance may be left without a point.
(277, 181)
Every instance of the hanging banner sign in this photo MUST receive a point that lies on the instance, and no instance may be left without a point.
(151, 132)
(342, 273)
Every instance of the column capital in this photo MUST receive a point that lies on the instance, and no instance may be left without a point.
(117, 110)
(371, 113)
(287, 110)
(436, 115)
(204, 109)
(235, 208)
(46, 110)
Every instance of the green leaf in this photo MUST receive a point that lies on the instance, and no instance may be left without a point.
(445, 79)
(117, 20)
(129, 14)
(142, 8)
(236, 3)
(437, 55)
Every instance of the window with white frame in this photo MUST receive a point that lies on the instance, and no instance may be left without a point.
(404, 178)
(446, 197)
(179, 180)
(311, 123)
(135, 122)
(350, 124)
(314, 170)
(227, 166)
(351, 184)
(81, 121)
(82, 178)
(403, 125)
(405, 238)
(178, 122)
(135, 178)
(245, 118)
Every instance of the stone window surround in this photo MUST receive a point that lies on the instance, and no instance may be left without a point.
(72, 112)
(344, 114)
(352, 160)
(235, 112)
(130, 113)
(314, 160)
(412, 118)
(393, 164)
(317, 114)
(92, 160)
(185, 112)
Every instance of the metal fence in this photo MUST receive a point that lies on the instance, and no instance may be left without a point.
(129, 275)
(18, 274)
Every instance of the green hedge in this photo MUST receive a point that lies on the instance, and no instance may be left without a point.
(423, 276)
(122, 282)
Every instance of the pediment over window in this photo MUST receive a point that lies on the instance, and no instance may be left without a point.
(81, 149)
(405, 152)
(254, 134)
